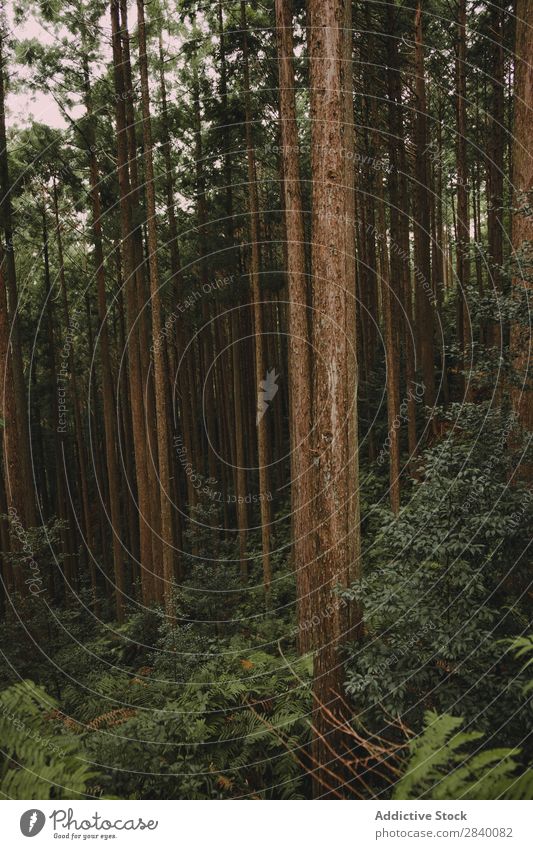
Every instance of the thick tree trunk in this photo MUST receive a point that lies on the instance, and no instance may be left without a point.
(14, 481)
(10, 277)
(335, 386)
(134, 364)
(521, 336)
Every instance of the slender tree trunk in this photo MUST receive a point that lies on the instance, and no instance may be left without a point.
(159, 359)
(463, 213)
(391, 360)
(108, 398)
(59, 427)
(300, 374)
(89, 550)
(206, 334)
(240, 471)
(143, 290)
(260, 365)
(422, 230)
(496, 151)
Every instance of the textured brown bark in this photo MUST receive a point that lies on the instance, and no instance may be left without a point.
(143, 290)
(422, 227)
(495, 165)
(206, 336)
(353, 539)
(334, 387)
(260, 364)
(110, 431)
(391, 359)
(14, 483)
(439, 255)
(392, 266)
(239, 475)
(10, 277)
(463, 212)
(521, 337)
(176, 342)
(300, 373)
(240, 459)
(225, 130)
(134, 364)
(176, 278)
(163, 592)
(127, 451)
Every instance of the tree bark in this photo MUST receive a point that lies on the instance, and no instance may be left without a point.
(134, 364)
(10, 277)
(300, 374)
(522, 396)
(260, 364)
(463, 213)
(422, 229)
(333, 337)
(166, 592)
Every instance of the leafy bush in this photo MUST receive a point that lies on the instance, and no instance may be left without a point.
(444, 581)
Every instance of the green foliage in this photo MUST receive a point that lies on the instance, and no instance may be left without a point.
(449, 763)
(38, 762)
(444, 581)
(227, 732)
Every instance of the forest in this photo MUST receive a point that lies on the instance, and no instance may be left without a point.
(266, 405)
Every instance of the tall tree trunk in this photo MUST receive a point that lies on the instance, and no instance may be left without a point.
(496, 151)
(110, 431)
(300, 374)
(335, 385)
(14, 481)
(522, 396)
(13, 306)
(89, 550)
(463, 214)
(391, 358)
(260, 365)
(159, 359)
(422, 230)
(206, 335)
(134, 364)
(59, 426)
(143, 291)
(239, 463)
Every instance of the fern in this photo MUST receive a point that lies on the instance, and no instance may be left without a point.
(442, 766)
(37, 763)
